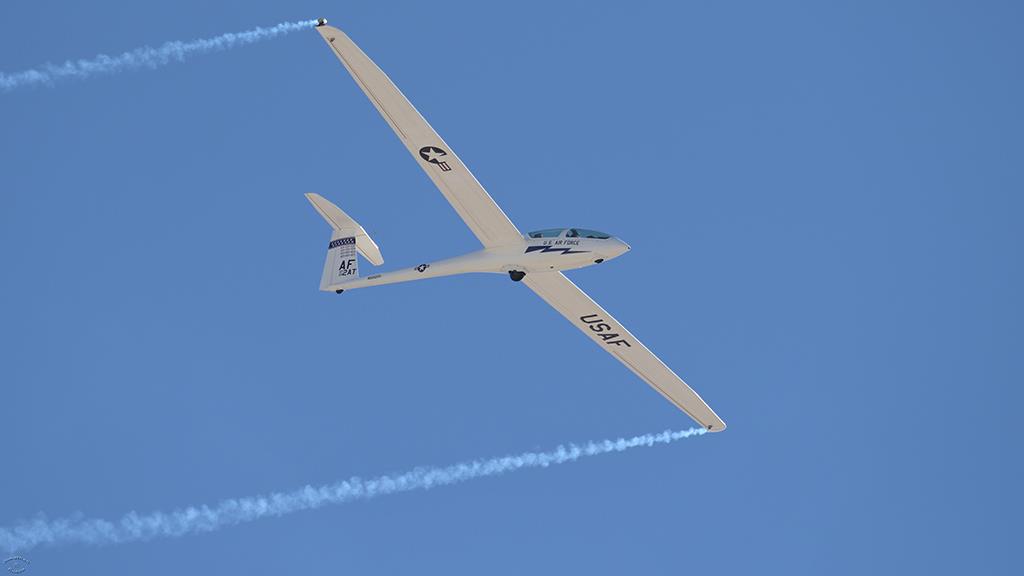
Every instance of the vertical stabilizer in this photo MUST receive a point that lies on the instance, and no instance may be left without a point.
(341, 264)
(347, 239)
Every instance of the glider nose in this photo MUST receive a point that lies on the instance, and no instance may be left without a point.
(620, 247)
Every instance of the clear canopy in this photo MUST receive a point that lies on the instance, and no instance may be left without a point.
(549, 233)
(569, 233)
(584, 233)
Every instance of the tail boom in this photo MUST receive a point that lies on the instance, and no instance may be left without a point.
(480, 261)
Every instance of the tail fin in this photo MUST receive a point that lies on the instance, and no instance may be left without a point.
(347, 237)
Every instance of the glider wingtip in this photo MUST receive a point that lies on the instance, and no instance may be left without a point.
(327, 31)
(315, 199)
(715, 426)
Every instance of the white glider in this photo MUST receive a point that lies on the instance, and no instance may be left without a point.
(536, 258)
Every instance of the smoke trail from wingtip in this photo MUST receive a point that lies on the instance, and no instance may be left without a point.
(145, 57)
(196, 519)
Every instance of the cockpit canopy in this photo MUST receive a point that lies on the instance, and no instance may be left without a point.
(569, 233)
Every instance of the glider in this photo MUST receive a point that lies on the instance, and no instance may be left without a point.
(537, 258)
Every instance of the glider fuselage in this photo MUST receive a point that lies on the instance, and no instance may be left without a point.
(531, 255)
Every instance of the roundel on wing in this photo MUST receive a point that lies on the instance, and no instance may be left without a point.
(432, 154)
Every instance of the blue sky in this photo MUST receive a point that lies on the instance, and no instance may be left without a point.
(823, 204)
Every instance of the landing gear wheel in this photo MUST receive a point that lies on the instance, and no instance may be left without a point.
(516, 275)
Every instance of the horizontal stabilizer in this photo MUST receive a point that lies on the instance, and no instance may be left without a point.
(344, 225)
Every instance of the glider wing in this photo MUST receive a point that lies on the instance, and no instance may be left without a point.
(456, 182)
(602, 328)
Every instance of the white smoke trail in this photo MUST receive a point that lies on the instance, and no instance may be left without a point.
(145, 57)
(133, 527)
